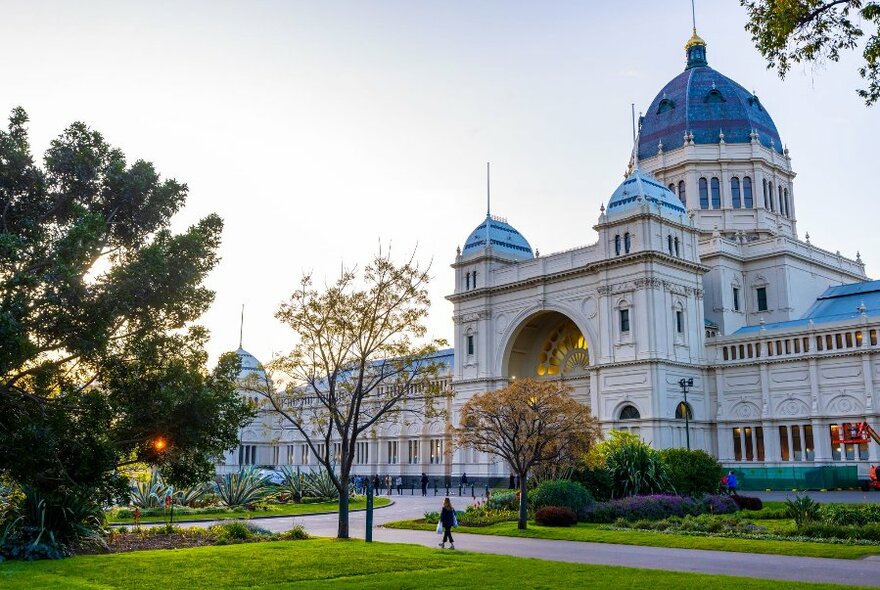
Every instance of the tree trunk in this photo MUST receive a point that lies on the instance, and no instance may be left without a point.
(342, 530)
(523, 502)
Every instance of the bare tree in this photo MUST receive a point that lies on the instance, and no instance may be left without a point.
(357, 364)
(528, 423)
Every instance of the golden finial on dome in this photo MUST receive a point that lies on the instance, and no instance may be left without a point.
(694, 40)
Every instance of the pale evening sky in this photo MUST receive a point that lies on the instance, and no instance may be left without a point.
(318, 129)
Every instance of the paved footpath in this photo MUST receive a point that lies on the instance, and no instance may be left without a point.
(862, 572)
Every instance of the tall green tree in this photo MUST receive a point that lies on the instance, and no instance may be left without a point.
(100, 362)
(787, 32)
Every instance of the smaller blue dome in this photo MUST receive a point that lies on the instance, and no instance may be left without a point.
(502, 236)
(249, 365)
(640, 187)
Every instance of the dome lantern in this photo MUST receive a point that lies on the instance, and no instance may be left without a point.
(695, 49)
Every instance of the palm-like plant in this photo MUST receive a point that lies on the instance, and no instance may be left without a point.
(635, 467)
(319, 485)
(244, 487)
(292, 483)
(150, 493)
(192, 495)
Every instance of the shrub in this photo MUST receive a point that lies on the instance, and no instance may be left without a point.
(555, 516)
(635, 468)
(748, 502)
(818, 530)
(192, 496)
(148, 494)
(597, 480)
(692, 472)
(849, 514)
(568, 494)
(432, 517)
(40, 529)
(292, 483)
(719, 504)
(297, 533)
(803, 510)
(504, 500)
(245, 487)
(479, 515)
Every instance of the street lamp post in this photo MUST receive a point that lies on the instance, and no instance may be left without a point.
(685, 384)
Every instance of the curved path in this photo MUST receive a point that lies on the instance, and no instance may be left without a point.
(863, 572)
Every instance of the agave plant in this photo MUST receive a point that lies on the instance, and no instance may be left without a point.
(192, 495)
(319, 485)
(245, 487)
(150, 493)
(292, 483)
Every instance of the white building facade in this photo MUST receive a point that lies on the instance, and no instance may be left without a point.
(699, 274)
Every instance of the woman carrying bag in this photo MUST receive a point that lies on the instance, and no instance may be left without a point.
(446, 523)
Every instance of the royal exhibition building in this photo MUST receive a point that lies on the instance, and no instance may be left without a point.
(698, 288)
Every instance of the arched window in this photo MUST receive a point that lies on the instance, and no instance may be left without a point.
(704, 193)
(680, 410)
(781, 202)
(681, 192)
(627, 242)
(630, 412)
(617, 245)
(787, 212)
(672, 188)
(770, 196)
(716, 193)
(734, 192)
(766, 199)
(676, 247)
(748, 202)
(669, 244)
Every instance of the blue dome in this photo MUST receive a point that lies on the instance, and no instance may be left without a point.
(705, 103)
(249, 365)
(640, 187)
(504, 238)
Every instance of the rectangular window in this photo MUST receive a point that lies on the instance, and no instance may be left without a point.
(413, 448)
(849, 339)
(735, 299)
(624, 320)
(783, 443)
(737, 444)
(337, 452)
(276, 455)
(873, 335)
(291, 454)
(836, 445)
(818, 343)
(470, 344)
(796, 451)
(838, 339)
(762, 298)
(809, 447)
(679, 321)
(716, 193)
(748, 444)
(759, 443)
(306, 454)
(392, 452)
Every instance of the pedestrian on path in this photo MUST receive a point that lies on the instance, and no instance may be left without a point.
(399, 483)
(388, 484)
(731, 483)
(424, 483)
(447, 521)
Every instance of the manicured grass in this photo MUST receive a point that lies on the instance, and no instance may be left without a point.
(593, 534)
(324, 563)
(274, 510)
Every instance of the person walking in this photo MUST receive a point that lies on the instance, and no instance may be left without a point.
(447, 521)
(388, 484)
(399, 484)
(424, 483)
(731, 483)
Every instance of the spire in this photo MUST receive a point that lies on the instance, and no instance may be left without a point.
(695, 48)
(488, 193)
(241, 327)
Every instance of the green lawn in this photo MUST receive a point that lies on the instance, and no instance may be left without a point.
(274, 510)
(325, 563)
(592, 533)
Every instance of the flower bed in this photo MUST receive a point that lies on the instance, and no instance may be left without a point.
(658, 507)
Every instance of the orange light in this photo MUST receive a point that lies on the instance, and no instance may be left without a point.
(159, 444)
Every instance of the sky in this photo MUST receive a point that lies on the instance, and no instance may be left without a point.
(320, 130)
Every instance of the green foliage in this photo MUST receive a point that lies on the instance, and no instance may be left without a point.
(803, 510)
(292, 483)
(635, 468)
(597, 480)
(297, 533)
(480, 515)
(99, 355)
(555, 516)
(504, 500)
(562, 493)
(319, 485)
(38, 529)
(849, 514)
(432, 517)
(148, 494)
(692, 472)
(244, 487)
(814, 31)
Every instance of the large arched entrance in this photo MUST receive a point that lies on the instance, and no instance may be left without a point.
(548, 345)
